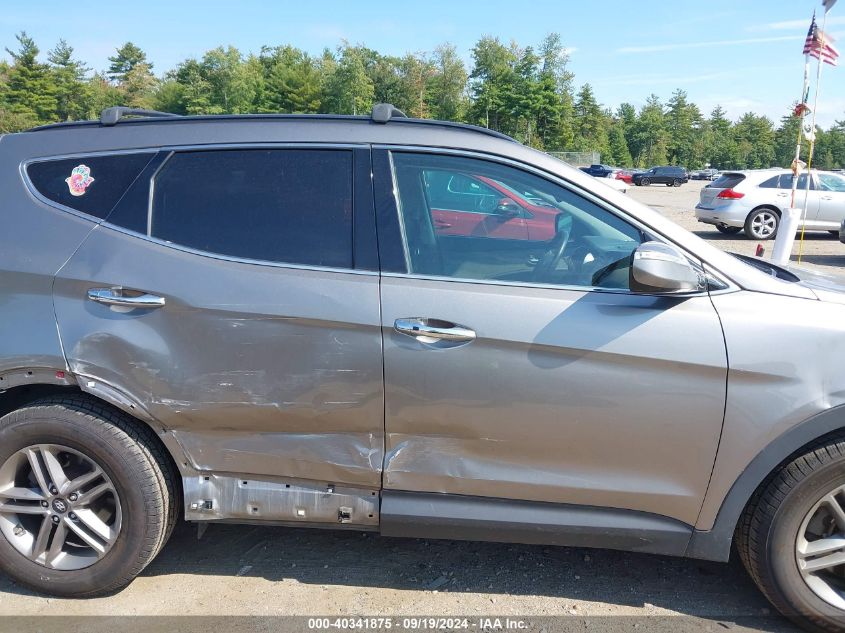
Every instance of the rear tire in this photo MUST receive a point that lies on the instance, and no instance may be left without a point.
(74, 429)
(762, 224)
(800, 508)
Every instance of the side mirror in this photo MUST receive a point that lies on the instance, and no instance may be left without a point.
(508, 207)
(659, 267)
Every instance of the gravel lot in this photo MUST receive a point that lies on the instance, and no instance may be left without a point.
(265, 571)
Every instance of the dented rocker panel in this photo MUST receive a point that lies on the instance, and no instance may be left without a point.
(230, 497)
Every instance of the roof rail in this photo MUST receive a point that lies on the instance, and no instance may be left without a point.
(383, 112)
(110, 116)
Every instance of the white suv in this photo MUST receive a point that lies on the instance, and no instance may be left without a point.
(754, 201)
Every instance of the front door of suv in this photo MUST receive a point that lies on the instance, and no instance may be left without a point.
(530, 371)
(261, 349)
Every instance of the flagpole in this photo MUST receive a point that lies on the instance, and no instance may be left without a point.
(805, 90)
(813, 135)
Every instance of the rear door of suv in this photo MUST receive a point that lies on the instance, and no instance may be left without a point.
(232, 295)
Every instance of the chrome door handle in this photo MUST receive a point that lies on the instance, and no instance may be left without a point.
(827, 197)
(433, 329)
(117, 297)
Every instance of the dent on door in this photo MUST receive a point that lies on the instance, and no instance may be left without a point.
(595, 399)
(254, 369)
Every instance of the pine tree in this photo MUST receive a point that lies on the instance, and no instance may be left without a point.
(68, 77)
(124, 60)
(30, 92)
(591, 123)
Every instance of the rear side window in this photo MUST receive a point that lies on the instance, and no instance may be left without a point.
(279, 205)
(90, 184)
(727, 181)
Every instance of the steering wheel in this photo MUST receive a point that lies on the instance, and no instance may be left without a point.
(556, 249)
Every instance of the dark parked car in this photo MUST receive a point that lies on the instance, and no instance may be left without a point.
(671, 176)
(265, 319)
(704, 174)
(599, 171)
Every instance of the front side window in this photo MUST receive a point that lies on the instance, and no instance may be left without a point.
(551, 235)
(279, 205)
(831, 182)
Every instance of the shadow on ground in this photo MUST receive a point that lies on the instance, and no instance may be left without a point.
(713, 591)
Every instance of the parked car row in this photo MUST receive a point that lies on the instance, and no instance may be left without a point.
(704, 174)
(753, 201)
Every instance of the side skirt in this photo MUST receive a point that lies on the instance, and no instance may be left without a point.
(242, 499)
(433, 515)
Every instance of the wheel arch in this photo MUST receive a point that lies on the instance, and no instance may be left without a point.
(771, 207)
(19, 387)
(715, 544)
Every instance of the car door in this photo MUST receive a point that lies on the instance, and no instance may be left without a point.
(547, 381)
(237, 305)
(831, 199)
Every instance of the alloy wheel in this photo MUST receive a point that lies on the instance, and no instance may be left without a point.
(58, 507)
(820, 548)
(764, 224)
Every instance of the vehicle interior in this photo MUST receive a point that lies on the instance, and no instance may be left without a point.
(590, 246)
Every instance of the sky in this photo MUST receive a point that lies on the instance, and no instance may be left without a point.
(742, 54)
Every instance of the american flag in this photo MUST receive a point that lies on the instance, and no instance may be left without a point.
(820, 45)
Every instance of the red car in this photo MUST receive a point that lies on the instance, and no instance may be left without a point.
(471, 205)
(625, 175)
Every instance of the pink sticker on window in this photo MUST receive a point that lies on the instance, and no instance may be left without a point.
(79, 180)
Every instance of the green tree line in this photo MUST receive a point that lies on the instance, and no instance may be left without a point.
(524, 91)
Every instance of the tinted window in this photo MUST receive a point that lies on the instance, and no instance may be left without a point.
(91, 184)
(727, 181)
(291, 206)
(771, 183)
(544, 233)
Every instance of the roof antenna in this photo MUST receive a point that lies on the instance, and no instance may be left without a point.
(383, 112)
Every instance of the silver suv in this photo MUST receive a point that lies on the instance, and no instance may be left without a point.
(755, 200)
(301, 320)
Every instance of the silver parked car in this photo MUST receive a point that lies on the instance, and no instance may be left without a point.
(418, 328)
(755, 200)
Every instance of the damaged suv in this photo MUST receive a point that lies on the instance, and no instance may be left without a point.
(286, 319)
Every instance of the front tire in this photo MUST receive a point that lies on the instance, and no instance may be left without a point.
(87, 497)
(645, 182)
(762, 224)
(677, 182)
(792, 537)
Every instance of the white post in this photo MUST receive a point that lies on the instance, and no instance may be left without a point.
(786, 236)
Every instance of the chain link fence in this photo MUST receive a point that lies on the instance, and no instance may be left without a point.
(579, 159)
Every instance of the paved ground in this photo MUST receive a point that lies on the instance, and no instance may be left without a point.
(262, 571)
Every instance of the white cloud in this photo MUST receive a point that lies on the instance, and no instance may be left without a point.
(711, 44)
(792, 25)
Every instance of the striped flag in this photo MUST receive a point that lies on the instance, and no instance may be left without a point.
(820, 45)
